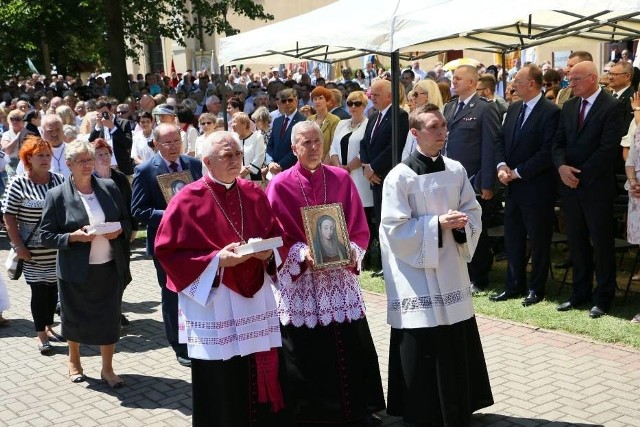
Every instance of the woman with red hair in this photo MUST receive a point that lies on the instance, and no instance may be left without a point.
(321, 98)
(22, 209)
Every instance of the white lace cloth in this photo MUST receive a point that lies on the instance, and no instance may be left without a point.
(218, 323)
(322, 296)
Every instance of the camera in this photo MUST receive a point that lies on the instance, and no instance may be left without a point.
(105, 115)
(150, 143)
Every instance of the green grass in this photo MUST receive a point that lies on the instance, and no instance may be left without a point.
(612, 328)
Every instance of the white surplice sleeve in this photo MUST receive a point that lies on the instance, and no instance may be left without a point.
(414, 240)
(470, 206)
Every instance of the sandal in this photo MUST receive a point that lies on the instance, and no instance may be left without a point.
(114, 384)
(78, 377)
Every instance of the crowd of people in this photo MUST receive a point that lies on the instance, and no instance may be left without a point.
(280, 336)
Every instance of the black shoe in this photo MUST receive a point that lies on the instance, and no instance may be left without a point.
(565, 306)
(563, 265)
(45, 348)
(596, 312)
(57, 309)
(124, 321)
(370, 420)
(378, 273)
(184, 361)
(532, 298)
(505, 296)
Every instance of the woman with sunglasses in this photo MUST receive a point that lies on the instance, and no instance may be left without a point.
(11, 140)
(207, 123)
(345, 148)
(424, 92)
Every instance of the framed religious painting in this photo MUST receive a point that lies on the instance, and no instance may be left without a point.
(327, 236)
(171, 183)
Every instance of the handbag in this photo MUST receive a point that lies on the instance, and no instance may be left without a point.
(13, 264)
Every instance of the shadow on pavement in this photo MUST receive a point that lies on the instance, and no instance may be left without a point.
(141, 307)
(148, 392)
(483, 420)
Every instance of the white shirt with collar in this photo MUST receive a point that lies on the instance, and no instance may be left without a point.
(168, 164)
(619, 93)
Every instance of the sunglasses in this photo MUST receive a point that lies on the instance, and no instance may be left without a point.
(122, 112)
(287, 101)
(548, 84)
(15, 119)
(417, 94)
(44, 101)
(206, 123)
(352, 103)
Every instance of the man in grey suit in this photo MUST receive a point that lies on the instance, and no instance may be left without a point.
(473, 125)
(584, 150)
(523, 157)
(148, 205)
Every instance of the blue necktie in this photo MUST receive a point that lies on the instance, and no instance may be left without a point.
(460, 107)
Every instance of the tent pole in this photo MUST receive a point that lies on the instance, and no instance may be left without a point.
(395, 105)
(504, 74)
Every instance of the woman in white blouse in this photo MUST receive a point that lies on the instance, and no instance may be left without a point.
(345, 148)
(253, 147)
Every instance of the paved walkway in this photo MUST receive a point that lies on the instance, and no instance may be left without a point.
(539, 378)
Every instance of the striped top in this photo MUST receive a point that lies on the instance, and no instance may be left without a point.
(25, 199)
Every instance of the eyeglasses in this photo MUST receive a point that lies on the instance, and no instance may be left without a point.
(287, 101)
(236, 155)
(610, 74)
(352, 103)
(206, 123)
(84, 162)
(170, 143)
(417, 94)
(15, 119)
(578, 79)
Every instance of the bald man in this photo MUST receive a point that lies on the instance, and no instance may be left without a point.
(584, 150)
(375, 147)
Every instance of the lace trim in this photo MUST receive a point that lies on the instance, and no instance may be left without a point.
(234, 337)
(231, 323)
(322, 297)
(426, 302)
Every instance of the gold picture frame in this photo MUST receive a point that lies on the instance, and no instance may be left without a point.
(327, 235)
(171, 183)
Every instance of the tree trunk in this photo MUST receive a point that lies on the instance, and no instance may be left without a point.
(46, 56)
(115, 42)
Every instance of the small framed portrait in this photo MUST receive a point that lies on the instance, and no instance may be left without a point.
(171, 183)
(327, 236)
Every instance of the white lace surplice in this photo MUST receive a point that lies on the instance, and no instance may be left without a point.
(426, 285)
(322, 296)
(218, 324)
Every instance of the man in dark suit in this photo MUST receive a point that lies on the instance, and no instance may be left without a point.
(336, 107)
(117, 132)
(523, 157)
(375, 147)
(473, 125)
(584, 150)
(148, 205)
(279, 155)
(620, 76)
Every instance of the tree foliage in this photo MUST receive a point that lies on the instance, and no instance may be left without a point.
(75, 32)
(68, 33)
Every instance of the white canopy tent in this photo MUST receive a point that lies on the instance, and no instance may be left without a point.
(408, 29)
(345, 29)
